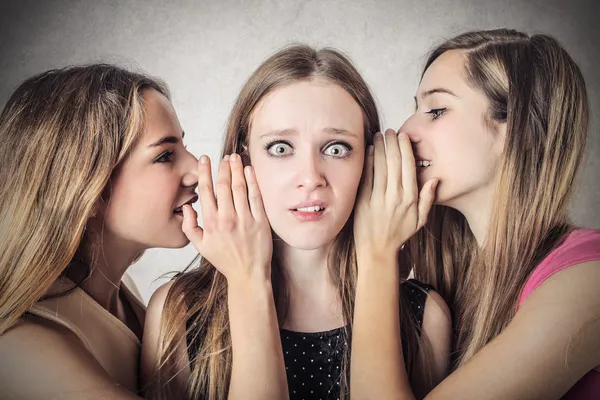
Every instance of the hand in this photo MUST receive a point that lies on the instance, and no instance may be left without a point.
(236, 236)
(389, 209)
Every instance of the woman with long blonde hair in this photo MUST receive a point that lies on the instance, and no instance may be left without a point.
(268, 313)
(501, 122)
(93, 173)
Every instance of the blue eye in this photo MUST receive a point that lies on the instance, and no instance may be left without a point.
(164, 157)
(279, 148)
(338, 150)
(435, 113)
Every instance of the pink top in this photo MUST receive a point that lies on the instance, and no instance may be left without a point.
(579, 246)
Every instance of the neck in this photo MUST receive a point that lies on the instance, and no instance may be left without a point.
(108, 262)
(477, 210)
(314, 302)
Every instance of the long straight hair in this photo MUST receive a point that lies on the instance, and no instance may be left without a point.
(537, 90)
(198, 298)
(63, 133)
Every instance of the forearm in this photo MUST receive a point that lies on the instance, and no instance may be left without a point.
(377, 364)
(258, 370)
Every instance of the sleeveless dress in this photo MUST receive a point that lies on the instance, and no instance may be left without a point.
(579, 246)
(313, 361)
(109, 341)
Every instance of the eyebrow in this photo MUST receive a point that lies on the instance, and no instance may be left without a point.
(436, 90)
(291, 132)
(167, 139)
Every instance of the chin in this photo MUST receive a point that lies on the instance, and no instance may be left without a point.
(306, 242)
(173, 242)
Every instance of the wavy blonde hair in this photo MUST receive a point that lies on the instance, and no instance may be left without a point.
(198, 298)
(63, 134)
(537, 90)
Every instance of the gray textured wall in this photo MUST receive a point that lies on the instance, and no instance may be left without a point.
(205, 50)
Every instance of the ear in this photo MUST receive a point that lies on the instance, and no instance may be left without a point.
(500, 135)
(245, 154)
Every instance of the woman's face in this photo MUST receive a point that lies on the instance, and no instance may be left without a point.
(450, 132)
(158, 176)
(306, 144)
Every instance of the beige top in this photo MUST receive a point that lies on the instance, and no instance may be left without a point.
(110, 341)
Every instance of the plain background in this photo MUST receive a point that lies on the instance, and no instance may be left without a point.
(205, 50)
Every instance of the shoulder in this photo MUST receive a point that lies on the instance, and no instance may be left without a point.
(158, 299)
(154, 314)
(571, 288)
(566, 310)
(579, 246)
(437, 314)
(47, 360)
(437, 346)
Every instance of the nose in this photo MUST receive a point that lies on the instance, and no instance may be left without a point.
(411, 129)
(190, 170)
(311, 174)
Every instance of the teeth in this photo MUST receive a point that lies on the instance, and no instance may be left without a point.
(311, 209)
(424, 163)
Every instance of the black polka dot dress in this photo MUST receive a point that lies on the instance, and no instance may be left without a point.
(314, 361)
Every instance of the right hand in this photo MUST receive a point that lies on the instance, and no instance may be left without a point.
(236, 236)
(389, 208)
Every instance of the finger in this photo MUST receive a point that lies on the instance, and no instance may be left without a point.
(366, 186)
(190, 226)
(409, 170)
(238, 187)
(254, 196)
(206, 194)
(426, 201)
(379, 166)
(223, 188)
(393, 162)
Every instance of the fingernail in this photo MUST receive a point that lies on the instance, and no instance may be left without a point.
(233, 157)
(434, 186)
(401, 135)
(370, 150)
(184, 209)
(378, 136)
(226, 158)
(203, 159)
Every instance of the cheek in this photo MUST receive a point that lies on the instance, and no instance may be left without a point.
(137, 197)
(345, 182)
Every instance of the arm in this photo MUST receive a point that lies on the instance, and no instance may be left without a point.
(437, 333)
(388, 212)
(236, 239)
(258, 369)
(551, 343)
(179, 368)
(42, 360)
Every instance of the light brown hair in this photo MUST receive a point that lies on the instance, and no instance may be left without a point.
(62, 133)
(536, 89)
(199, 297)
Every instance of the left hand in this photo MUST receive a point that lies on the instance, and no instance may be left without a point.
(389, 207)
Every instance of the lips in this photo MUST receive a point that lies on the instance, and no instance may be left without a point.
(179, 210)
(309, 206)
(309, 211)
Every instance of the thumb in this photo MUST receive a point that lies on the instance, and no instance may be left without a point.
(426, 198)
(190, 226)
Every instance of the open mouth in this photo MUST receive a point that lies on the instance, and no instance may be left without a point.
(309, 212)
(179, 210)
(312, 209)
(423, 163)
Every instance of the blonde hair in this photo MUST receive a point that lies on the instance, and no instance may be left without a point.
(63, 133)
(199, 297)
(536, 89)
